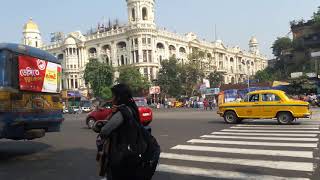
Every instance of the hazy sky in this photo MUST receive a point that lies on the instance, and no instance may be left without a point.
(236, 20)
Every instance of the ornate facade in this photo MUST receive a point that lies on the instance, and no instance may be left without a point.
(142, 44)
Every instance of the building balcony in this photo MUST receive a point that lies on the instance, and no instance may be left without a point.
(222, 70)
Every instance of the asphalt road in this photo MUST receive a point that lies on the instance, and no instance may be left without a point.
(196, 145)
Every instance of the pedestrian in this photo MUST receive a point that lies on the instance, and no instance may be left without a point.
(205, 104)
(133, 153)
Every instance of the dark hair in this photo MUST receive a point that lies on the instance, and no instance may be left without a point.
(123, 96)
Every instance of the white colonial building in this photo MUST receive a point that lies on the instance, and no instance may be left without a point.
(141, 43)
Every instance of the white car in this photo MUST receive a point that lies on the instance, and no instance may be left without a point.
(86, 109)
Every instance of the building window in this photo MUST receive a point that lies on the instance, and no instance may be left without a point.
(36, 43)
(145, 56)
(136, 41)
(151, 73)
(144, 40)
(137, 56)
(133, 14)
(149, 40)
(144, 13)
(76, 83)
(145, 72)
(150, 55)
(72, 84)
(132, 55)
(122, 60)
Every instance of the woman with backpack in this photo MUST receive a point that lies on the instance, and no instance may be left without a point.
(132, 153)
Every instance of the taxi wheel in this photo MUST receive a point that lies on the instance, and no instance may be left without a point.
(284, 118)
(231, 117)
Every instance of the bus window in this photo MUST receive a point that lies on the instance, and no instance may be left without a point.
(2, 69)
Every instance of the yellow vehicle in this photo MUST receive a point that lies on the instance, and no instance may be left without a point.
(178, 104)
(265, 104)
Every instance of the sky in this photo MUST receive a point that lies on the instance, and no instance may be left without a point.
(235, 20)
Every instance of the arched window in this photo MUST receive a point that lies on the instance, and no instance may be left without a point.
(60, 56)
(144, 13)
(133, 14)
(92, 50)
(182, 50)
(122, 45)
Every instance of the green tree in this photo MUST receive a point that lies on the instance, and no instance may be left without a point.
(106, 93)
(302, 85)
(281, 44)
(98, 75)
(215, 79)
(316, 18)
(169, 77)
(131, 76)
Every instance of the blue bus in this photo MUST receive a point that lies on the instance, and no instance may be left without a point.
(30, 101)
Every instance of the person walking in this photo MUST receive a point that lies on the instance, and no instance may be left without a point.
(132, 152)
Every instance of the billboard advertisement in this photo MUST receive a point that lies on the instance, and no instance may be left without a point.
(39, 75)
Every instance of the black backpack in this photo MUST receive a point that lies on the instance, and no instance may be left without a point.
(133, 148)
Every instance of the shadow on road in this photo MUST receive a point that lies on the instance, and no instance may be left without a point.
(14, 149)
(38, 163)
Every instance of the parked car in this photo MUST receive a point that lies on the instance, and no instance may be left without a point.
(86, 109)
(103, 111)
(265, 104)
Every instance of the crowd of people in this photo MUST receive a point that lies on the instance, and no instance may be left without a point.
(196, 103)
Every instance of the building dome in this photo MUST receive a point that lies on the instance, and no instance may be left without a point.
(31, 26)
(253, 40)
(70, 41)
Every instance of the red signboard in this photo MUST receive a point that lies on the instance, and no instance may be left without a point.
(38, 75)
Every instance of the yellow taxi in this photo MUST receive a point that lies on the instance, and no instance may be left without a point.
(265, 104)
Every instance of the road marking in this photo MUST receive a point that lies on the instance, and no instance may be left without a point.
(275, 128)
(283, 165)
(269, 131)
(303, 154)
(219, 174)
(282, 126)
(263, 134)
(262, 138)
(248, 143)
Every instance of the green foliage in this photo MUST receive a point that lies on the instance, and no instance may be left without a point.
(302, 85)
(98, 75)
(215, 79)
(106, 93)
(169, 77)
(131, 76)
(282, 43)
(316, 18)
(191, 77)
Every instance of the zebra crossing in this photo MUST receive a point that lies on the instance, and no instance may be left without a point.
(247, 151)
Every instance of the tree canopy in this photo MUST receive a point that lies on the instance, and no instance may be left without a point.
(131, 76)
(99, 76)
(216, 79)
(282, 43)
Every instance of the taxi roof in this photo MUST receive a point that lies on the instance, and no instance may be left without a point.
(267, 91)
